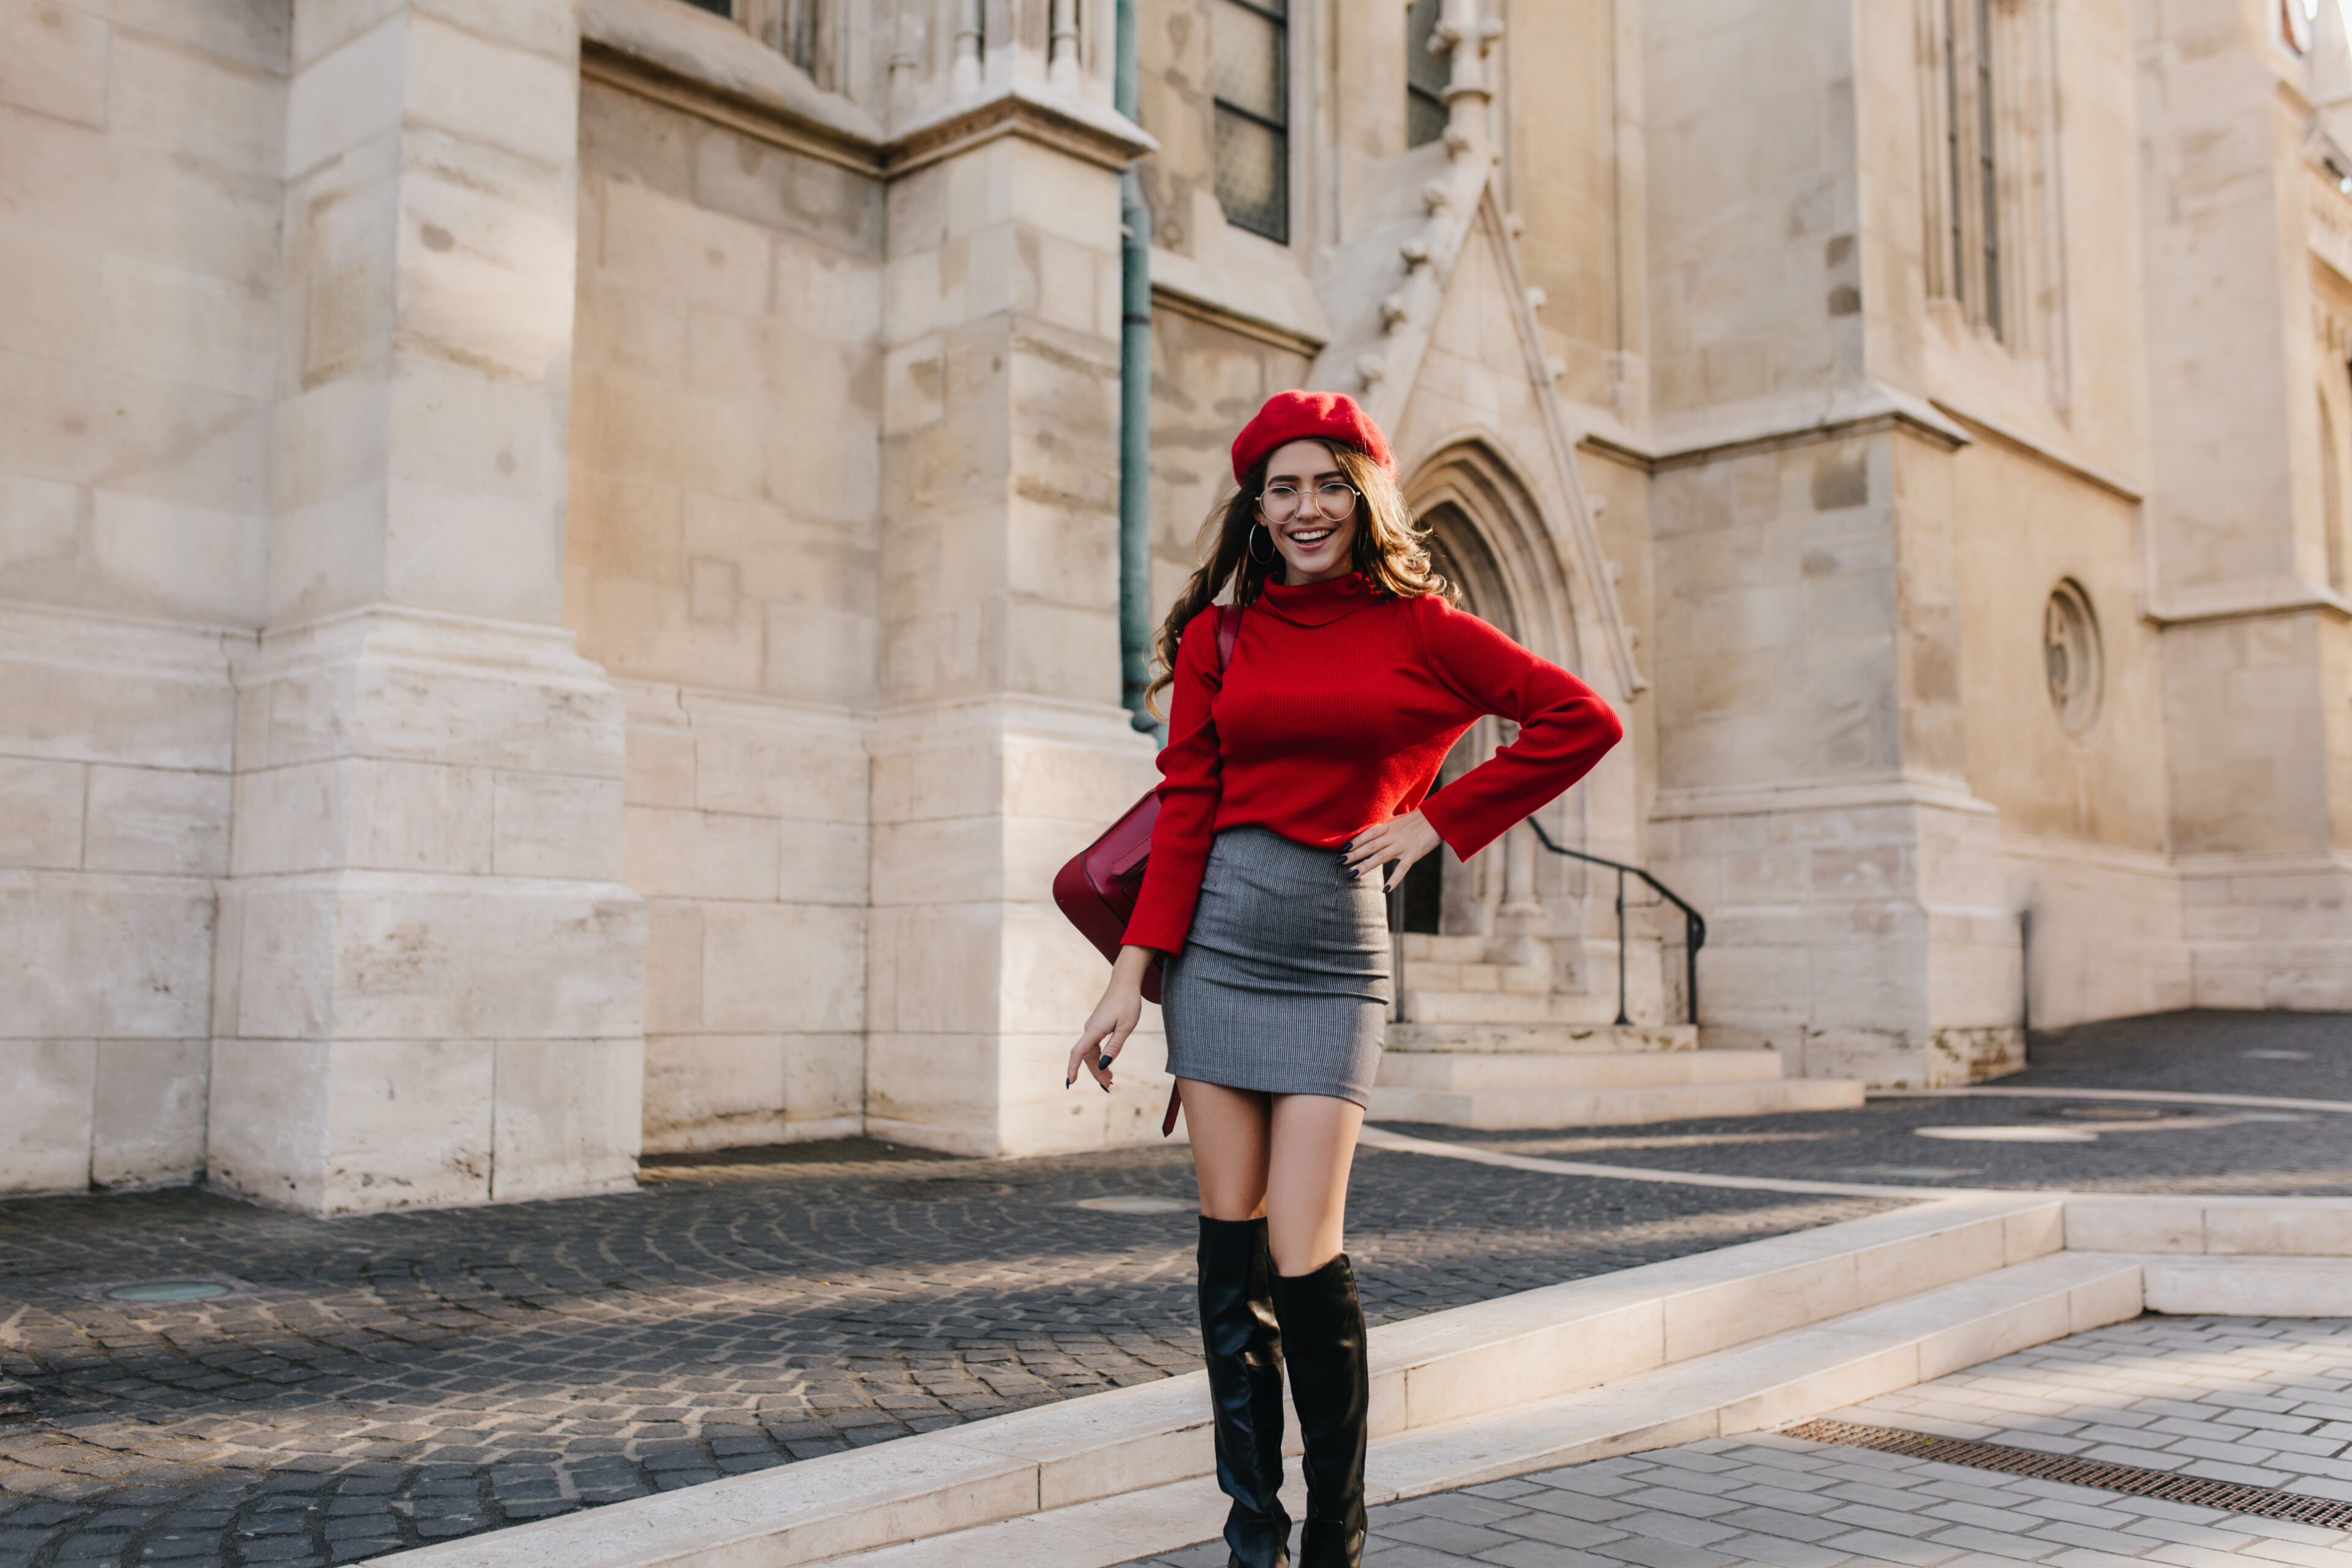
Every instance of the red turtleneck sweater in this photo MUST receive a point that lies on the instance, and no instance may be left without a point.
(1339, 706)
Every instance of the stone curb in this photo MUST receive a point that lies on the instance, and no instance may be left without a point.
(1748, 1388)
(1435, 1368)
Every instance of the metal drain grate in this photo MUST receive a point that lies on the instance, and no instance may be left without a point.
(2231, 1497)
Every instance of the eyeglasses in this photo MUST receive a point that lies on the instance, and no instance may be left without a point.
(1334, 500)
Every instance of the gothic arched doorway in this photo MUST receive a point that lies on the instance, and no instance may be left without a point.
(1461, 556)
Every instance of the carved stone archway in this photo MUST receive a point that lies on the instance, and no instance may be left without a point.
(1487, 538)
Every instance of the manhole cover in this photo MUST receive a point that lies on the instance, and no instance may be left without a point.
(168, 1290)
(940, 1190)
(2278, 1056)
(1133, 1203)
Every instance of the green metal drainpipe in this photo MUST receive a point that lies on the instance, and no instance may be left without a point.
(1134, 407)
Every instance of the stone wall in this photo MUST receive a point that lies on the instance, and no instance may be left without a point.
(549, 599)
(1810, 799)
(138, 240)
(722, 541)
(2256, 643)
(1208, 380)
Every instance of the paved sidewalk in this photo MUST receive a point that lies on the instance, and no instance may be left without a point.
(2138, 1148)
(392, 1380)
(2266, 1401)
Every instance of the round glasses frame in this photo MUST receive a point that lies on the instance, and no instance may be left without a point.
(1326, 497)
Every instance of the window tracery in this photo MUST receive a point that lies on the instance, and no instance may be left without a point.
(1249, 80)
(1994, 242)
(793, 29)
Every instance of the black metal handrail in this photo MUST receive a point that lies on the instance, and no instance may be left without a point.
(1693, 924)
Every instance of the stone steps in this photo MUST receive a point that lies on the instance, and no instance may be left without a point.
(1606, 1038)
(1424, 976)
(1770, 1382)
(1497, 1005)
(1473, 1072)
(1500, 1110)
(1714, 1344)
(1439, 1368)
(1422, 948)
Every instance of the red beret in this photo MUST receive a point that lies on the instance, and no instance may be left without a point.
(1308, 416)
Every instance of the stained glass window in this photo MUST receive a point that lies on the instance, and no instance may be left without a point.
(1249, 72)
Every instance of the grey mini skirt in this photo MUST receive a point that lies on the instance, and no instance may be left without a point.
(1283, 985)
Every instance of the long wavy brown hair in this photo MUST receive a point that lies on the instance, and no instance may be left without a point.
(1389, 550)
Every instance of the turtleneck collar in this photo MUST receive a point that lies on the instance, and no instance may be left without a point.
(1317, 604)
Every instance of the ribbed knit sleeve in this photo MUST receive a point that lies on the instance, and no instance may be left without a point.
(1188, 785)
(1564, 727)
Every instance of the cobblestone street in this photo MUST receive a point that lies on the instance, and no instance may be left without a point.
(391, 1380)
(2266, 1402)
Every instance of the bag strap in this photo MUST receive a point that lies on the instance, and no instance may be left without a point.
(1229, 632)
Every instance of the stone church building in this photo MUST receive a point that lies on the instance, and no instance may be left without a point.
(561, 561)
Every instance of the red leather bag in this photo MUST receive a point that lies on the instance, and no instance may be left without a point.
(1097, 890)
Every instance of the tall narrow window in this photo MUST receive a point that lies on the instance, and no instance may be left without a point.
(1249, 77)
(1425, 76)
(793, 29)
(1989, 192)
(1988, 174)
(796, 33)
(2331, 495)
(1955, 154)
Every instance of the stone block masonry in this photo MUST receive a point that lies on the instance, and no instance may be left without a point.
(558, 567)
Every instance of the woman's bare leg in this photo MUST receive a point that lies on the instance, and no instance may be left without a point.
(1313, 1145)
(1230, 1129)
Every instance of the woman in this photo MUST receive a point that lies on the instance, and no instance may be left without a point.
(1289, 774)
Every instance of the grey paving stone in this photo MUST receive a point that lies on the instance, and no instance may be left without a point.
(1445, 1535)
(1655, 1553)
(748, 1308)
(1577, 1505)
(1782, 1522)
(1779, 1551)
(1532, 1554)
(1676, 1500)
(1874, 1546)
(1887, 1520)
(1462, 1508)
(1651, 1525)
(1557, 1530)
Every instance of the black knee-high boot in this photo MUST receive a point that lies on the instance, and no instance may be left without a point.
(1330, 1385)
(1243, 1350)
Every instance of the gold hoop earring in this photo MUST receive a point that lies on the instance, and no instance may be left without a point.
(1250, 544)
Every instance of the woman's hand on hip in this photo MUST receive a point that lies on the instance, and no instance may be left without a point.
(1113, 1019)
(1403, 839)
